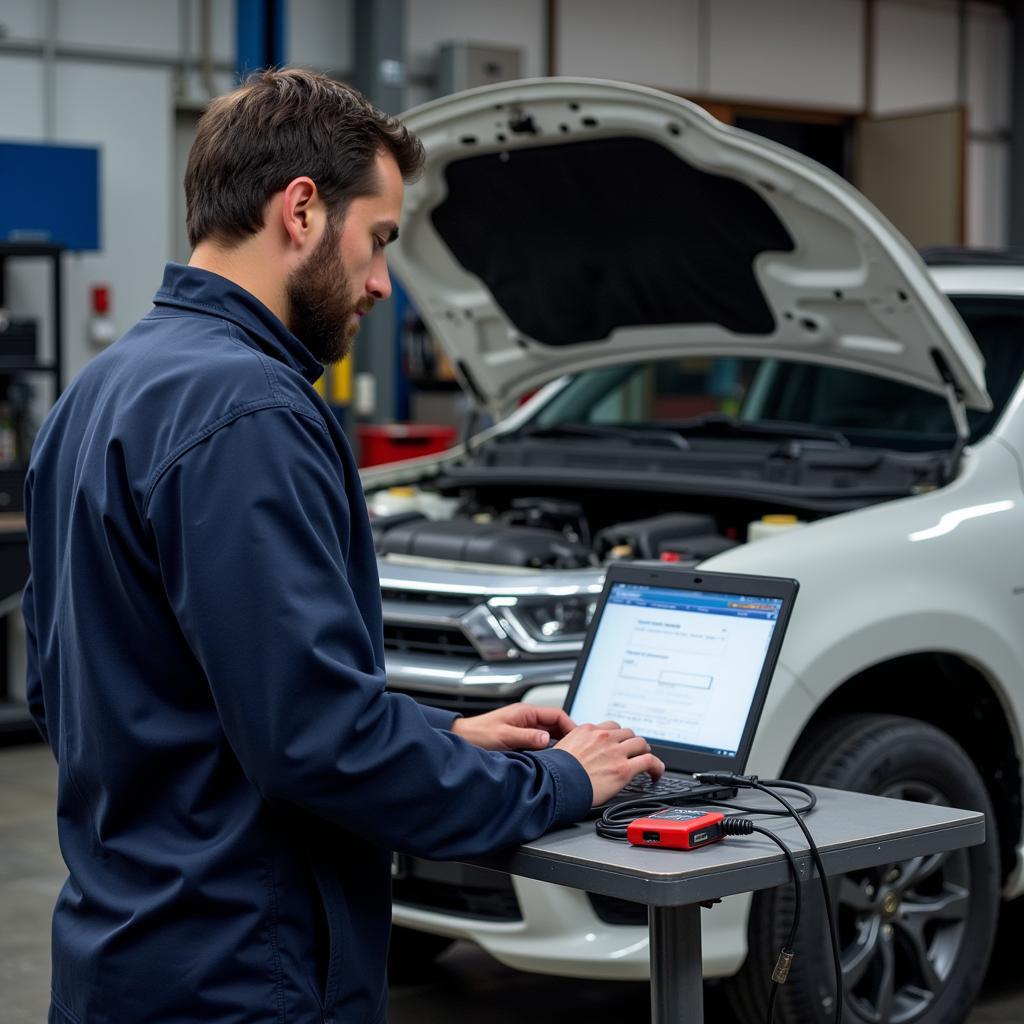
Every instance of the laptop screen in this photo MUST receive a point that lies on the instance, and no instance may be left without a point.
(679, 667)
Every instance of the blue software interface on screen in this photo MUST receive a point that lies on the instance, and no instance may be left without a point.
(679, 667)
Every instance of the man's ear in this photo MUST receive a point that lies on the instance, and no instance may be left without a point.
(300, 211)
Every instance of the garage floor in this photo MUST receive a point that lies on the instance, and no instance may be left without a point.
(465, 984)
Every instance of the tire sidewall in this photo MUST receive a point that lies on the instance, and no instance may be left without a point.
(872, 756)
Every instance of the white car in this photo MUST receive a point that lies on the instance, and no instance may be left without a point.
(742, 364)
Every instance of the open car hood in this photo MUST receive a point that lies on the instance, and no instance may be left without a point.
(563, 224)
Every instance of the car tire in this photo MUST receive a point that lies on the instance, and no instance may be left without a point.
(412, 953)
(922, 964)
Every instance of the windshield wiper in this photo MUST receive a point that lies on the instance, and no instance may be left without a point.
(723, 425)
(634, 435)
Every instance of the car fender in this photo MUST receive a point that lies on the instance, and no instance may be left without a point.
(937, 572)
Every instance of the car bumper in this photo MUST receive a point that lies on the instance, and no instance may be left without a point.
(558, 932)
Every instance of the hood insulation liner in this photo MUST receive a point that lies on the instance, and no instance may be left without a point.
(609, 233)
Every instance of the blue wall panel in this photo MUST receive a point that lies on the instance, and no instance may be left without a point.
(259, 35)
(50, 193)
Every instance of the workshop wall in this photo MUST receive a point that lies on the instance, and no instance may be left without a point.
(122, 72)
(318, 34)
(798, 53)
(121, 68)
(112, 83)
(988, 87)
(429, 24)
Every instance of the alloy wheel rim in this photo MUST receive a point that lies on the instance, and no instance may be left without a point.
(901, 927)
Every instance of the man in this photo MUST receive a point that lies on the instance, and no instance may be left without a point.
(205, 644)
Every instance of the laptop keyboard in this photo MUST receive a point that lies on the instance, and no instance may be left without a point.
(644, 785)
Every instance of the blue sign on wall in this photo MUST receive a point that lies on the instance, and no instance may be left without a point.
(50, 193)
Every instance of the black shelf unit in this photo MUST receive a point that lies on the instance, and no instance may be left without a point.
(53, 253)
(15, 722)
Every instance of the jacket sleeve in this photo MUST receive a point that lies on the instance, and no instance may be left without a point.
(438, 717)
(33, 681)
(252, 531)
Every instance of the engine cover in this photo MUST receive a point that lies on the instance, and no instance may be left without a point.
(463, 540)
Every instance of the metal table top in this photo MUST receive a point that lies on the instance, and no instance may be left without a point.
(852, 830)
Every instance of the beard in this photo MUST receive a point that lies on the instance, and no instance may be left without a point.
(321, 313)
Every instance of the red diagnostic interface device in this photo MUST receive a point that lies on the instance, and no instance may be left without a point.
(676, 828)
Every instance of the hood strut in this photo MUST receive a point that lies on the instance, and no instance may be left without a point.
(958, 411)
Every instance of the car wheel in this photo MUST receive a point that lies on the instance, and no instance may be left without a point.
(915, 937)
(412, 953)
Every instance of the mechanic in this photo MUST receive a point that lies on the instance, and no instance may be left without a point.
(205, 648)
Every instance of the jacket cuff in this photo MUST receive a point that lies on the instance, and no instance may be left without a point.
(438, 717)
(574, 795)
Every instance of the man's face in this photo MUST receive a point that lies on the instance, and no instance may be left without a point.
(347, 272)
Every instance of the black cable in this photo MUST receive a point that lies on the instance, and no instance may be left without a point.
(768, 787)
(802, 810)
(744, 826)
(613, 822)
(826, 893)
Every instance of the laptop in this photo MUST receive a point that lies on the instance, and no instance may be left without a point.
(683, 658)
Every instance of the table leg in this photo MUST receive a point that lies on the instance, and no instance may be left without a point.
(677, 992)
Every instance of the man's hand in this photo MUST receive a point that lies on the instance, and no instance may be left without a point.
(611, 756)
(514, 727)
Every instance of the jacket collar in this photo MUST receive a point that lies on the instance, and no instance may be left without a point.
(205, 292)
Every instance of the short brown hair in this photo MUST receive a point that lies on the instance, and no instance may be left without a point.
(278, 126)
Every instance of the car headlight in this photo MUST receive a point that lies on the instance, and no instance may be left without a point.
(548, 624)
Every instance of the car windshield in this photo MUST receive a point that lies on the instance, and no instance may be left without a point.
(727, 395)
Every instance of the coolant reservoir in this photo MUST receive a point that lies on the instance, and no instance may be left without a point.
(410, 499)
(769, 526)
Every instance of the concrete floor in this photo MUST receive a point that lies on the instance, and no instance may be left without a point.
(465, 984)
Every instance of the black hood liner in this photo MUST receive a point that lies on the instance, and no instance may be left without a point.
(579, 239)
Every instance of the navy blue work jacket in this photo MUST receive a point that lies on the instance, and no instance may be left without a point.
(206, 662)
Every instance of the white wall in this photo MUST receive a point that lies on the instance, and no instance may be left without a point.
(21, 110)
(611, 39)
(319, 35)
(803, 53)
(22, 19)
(798, 53)
(915, 55)
(990, 71)
(135, 171)
(135, 25)
(432, 22)
(793, 52)
(429, 23)
(126, 109)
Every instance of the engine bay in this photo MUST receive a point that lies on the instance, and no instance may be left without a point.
(578, 496)
(530, 531)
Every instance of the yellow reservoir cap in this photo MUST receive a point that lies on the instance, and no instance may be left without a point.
(772, 525)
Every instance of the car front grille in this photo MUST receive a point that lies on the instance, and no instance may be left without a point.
(457, 889)
(444, 640)
(611, 910)
(421, 598)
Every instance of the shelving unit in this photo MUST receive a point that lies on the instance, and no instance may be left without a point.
(10, 364)
(15, 721)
